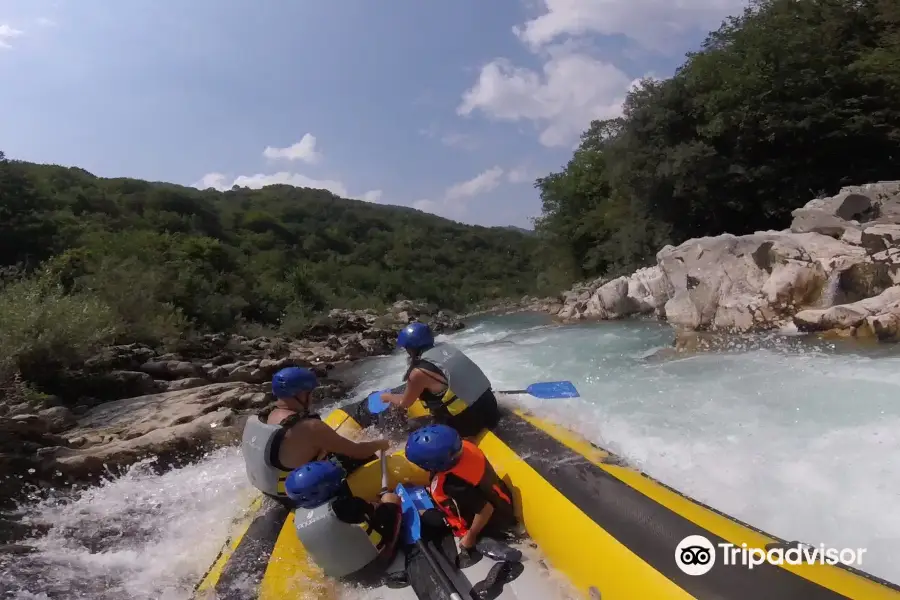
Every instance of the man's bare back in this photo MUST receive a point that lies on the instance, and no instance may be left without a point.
(311, 439)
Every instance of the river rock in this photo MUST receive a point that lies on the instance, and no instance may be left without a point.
(877, 316)
(186, 384)
(838, 252)
(132, 370)
(130, 401)
(169, 425)
(880, 237)
(171, 369)
(172, 426)
(127, 357)
(21, 439)
(58, 418)
(833, 216)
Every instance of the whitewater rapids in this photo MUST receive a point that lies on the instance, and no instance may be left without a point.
(796, 438)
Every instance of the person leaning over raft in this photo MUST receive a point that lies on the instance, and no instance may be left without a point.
(289, 436)
(453, 388)
(344, 534)
(472, 500)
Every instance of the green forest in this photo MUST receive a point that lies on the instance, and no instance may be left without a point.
(87, 260)
(786, 102)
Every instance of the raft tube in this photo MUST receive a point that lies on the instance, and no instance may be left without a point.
(610, 530)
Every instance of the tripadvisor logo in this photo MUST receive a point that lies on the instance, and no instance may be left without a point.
(696, 555)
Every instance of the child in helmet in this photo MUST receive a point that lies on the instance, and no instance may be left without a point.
(472, 499)
(342, 533)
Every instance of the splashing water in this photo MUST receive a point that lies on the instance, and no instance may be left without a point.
(795, 437)
(792, 437)
(139, 536)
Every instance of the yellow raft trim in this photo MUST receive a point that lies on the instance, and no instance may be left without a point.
(834, 578)
(572, 542)
(575, 544)
(211, 578)
(291, 574)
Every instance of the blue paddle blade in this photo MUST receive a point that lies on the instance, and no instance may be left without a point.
(413, 498)
(376, 404)
(553, 389)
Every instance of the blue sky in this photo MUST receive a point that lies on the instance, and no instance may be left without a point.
(453, 107)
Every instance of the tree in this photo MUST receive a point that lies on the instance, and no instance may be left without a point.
(788, 100)
(169, 259)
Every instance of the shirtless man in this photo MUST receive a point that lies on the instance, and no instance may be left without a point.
(290, 436)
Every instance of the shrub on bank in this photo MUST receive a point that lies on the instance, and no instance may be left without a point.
(44, 329)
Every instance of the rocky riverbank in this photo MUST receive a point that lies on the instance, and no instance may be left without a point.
(131, 401)
(835, 271)
(510, 306)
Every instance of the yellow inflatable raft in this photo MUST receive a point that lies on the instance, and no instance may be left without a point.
(610, 530)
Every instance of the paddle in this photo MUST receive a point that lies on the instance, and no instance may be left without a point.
(384, 474)
(546, 390)
(412, 502)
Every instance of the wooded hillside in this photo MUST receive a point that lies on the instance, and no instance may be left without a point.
(790, 100)
(151, 261)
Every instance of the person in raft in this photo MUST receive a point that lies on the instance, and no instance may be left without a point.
(345, 535)
(453, 388)
(290, 436)
(471, 499)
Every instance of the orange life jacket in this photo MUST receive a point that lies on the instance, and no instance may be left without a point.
(473, 468)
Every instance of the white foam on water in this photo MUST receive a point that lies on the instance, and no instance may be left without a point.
(799, 441)
(795, 439)
(141, 536)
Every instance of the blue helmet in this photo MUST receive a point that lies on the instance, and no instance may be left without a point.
(434, 448)
(415, 336)
(314, 483)
(290, 381)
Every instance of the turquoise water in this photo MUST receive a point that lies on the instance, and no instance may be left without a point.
(798, 439)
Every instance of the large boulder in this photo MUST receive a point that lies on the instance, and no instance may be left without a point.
(872, 317)
(170, 426)
(747, 282)
(839, 251)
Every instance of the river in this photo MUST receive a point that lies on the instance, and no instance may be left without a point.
(797, 438)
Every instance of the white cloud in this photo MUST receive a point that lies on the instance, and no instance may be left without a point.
(521, 175)
(222, 182)
(7, 34)
(212, 180)
(372, 196)
(571, 90)
(452, 203)
(45, 22)
(427, 205)
(574, 87)
(304, 150)
(459, 140)
(481, 183)
(654, 24)
(452, 139)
